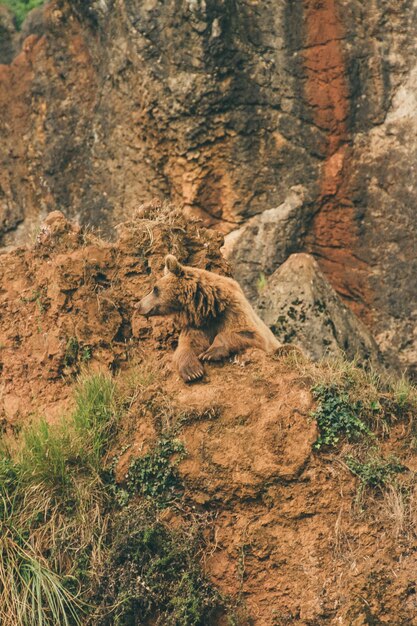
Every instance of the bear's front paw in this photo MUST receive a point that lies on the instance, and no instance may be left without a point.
(214, 354)
(191, 371)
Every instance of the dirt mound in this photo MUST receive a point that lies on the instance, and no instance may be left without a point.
(69, 300)
(289, 541)
(290, 538)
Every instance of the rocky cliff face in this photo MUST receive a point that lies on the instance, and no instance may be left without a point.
(226, 107)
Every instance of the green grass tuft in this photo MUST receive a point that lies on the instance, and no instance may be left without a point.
(45, 454)
(96, 413)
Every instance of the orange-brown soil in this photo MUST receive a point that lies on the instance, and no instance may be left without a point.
(287, 539)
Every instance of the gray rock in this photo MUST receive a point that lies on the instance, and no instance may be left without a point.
(7, 35)
(265, 241)
(34, 24)
(302, 308)
(11, 39)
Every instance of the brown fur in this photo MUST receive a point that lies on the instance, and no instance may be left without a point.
(215, 317)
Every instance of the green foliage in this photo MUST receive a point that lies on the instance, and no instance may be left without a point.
(154, 474)
(71, 351)
(374, 471)
(154, 571)
(378, 400)
(8, 478)
(75, 355)
(86, 354)
(51, 454)
(337, 416)
(20, 8)
(51, 498)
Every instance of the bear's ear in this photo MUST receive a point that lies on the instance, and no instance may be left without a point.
(172, 265)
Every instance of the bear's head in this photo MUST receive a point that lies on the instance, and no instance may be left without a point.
(193, 294)
(167, 294)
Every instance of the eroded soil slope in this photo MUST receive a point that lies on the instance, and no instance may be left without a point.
(289, 541)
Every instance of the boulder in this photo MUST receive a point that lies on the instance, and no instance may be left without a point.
(302, 308)
(7, 35)
(34, 24)
(264, 242)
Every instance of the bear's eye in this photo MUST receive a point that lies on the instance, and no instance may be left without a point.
(155, 291)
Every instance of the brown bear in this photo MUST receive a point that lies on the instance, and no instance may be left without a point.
(215, 318)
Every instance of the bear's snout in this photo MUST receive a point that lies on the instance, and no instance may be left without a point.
(145, 306)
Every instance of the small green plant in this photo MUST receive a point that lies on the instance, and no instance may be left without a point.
(75, 354)
(38, 296)
(405, 395)
(374, 471)
(337, 416)
(71, 351)
(154, 474)
(261, 282)
(86, 354)
(20, 8)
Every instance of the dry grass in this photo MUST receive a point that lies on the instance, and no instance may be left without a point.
(383, 398)
(73, 549)
(156, 227)
(53, 510)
